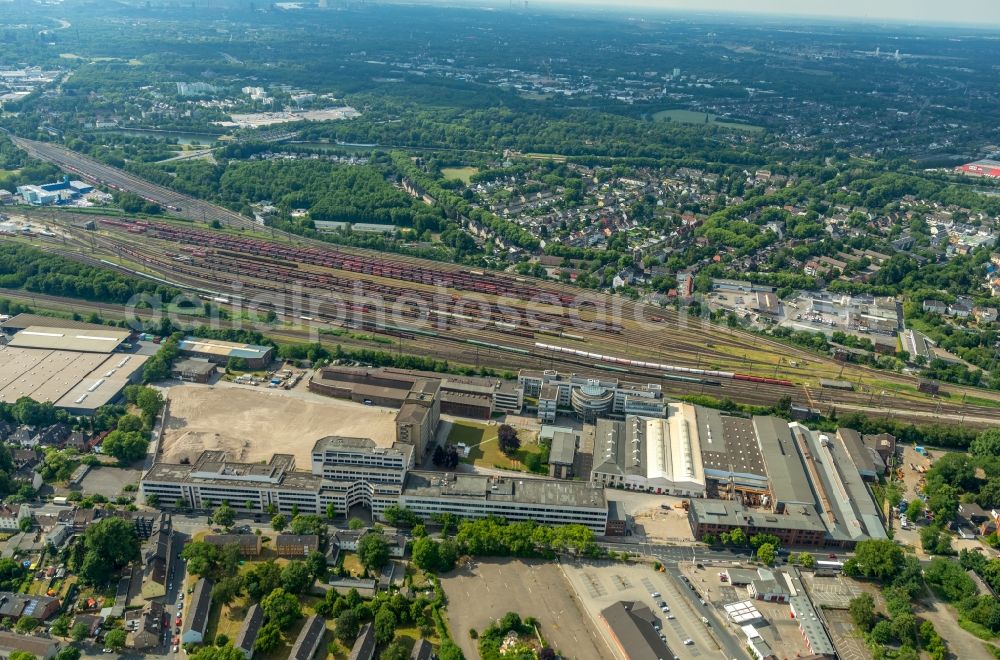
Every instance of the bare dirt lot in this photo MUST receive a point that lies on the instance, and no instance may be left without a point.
(251, 424)
(484, 591)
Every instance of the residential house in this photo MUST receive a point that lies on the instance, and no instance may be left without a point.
(11, 516)
(248, 631)
(296, 545)
(147, 631)
(985, 314)
(92, 621)
(310, 639)
(422, 650)
(249, 544)
(39, 647)
(14, 606)
(26, 458)
(935, 307)
(364, 645)
(196, 617)
(55, 435)
(157, 555)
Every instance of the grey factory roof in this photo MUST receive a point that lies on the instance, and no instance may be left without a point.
(563, 448)
(69, 379)
(611, 451)
(22, 321)
(728, 444)
(504, 489)
(105, 340)
(223, 348)
(632, 625)
(845, 505)
(861, 455)
(783, 462)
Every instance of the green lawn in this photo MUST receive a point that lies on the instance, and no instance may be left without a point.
(693, 117)
(485, 450)
(462, 173)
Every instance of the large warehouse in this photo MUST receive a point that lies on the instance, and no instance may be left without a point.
(77, 369)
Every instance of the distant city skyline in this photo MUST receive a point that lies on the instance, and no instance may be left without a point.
(905, 11)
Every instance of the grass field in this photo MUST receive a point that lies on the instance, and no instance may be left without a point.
(484, 450)
(692, 117)
(462, 173)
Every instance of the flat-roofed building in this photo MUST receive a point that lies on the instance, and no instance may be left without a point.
(562, 454)
(731, 455)
(25, 321)
(220, 352)
(651, 454)
(547, 501)
(193, 370)
(798, 525)
(419, 416)
(106, 340)
(79, 382)
(590, 397)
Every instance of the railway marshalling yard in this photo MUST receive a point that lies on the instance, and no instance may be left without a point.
(244, 260)
(341, 300)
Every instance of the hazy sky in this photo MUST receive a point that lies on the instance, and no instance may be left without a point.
(934, 11)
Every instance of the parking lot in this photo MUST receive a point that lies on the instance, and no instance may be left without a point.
(845, 636)
(600, 584)
(835, 592)
(483, 591)
(108, 481)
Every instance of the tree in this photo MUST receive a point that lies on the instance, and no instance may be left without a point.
(986, 443)
(862, 610)
(507, 437)
(262, 579)
(227, 590)
(347, 627)
(905, 627)
(21, 655)
(218, 653)
(279, 522)
(395, 651)
(881, 632)
(949, 580)
(296, 577)
(425, 554)
(331, 511)
(373, 551)
(224, 516)
(758, 540)
(385, 624)
(110, 544)
(68, 653)
(807, 560)
(127, 447)
(877, 559)
(60, 627)
(317, 565)
(268, 638)
(115, 639)
(26, 524)
(281, 608)
(79, 632)
(400, 516)
(25, 625)
(915, 509)
(308, 524)
(449, 651)
(943, 502)
(766, 553)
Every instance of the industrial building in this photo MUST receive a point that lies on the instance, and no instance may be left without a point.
(462, 396)
(220, 352)
(348, 472)
(814, 494)
(589, 398)
(78, 370)
(546, 501)
(986, 167)
(59, 192)
(658, 455)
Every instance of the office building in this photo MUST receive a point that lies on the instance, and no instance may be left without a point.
(589, 398)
